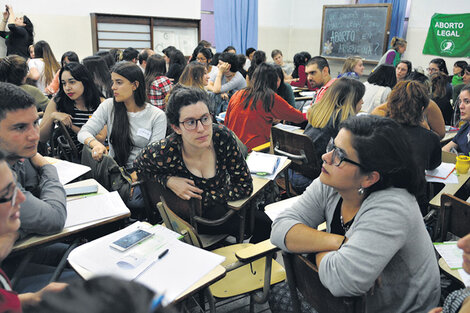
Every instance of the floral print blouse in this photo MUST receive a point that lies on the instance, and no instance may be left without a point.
(232, 180)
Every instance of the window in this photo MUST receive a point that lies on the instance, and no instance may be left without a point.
(120, 31)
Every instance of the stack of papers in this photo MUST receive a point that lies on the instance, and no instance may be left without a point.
(68, 171)
(442, 174)
(178, 269)
(286, 127)
(453, 257)
(90, 209)
(262, 163)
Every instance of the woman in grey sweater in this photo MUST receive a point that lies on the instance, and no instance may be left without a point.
(376, 243)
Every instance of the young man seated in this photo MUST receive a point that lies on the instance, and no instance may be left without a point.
(44, 210)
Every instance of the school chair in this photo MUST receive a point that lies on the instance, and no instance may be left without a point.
(302, 277)
(250, 267)
(189, 210)
(454, 217)
(62, 145)
(299, 149)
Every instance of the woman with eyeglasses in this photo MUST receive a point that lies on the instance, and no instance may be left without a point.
(11, 198)
(376, 244)
(200, 160)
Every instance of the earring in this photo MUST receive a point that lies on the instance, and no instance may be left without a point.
(360, 191)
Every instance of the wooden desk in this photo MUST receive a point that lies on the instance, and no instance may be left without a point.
(454, 273)
(258, 184)
(450, 189)
(213, 276)
(448, 137)
(30, 244)
(240, 205)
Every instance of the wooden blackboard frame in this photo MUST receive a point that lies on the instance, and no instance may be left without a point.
(386, 34)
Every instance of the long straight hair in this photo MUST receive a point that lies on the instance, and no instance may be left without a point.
(263, 87)
(341, 98)
(156, 66)
(100, 72)
(51, 66)
(120, 136)
(193, 75)
(91, 94)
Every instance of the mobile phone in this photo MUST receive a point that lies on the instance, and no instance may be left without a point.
(130, 240)
(72, 191)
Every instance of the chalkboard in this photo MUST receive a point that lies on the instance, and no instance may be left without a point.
(360, 29)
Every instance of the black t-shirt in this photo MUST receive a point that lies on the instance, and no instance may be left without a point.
(17, 40)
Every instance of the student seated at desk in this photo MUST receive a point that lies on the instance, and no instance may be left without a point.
(74, 104)
(132, 123)
(44, 211)
(342, 100)
(433, 118)
(376, 244)
(11, 197)
(460, 143)
(252, 111)
(201, 160)
(406, 105)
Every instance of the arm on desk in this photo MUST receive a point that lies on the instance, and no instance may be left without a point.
(45, 213)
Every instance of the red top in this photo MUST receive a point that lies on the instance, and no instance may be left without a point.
(253, 127)
(9, 301)
(303, 81)
(323, 89)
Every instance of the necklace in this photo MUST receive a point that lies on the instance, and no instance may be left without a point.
(347, 225)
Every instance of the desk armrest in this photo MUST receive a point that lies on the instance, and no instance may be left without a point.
(256, 251)
(217, 222)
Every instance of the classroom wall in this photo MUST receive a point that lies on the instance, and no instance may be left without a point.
(420, 17)
(66, 25)
(294, 26)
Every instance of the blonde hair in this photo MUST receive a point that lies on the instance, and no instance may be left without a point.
(397, 42)
(350, 63)
(340, 100)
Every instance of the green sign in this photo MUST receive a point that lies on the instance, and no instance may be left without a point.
(448, 35)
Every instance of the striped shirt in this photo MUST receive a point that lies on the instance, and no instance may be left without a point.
(79, 118)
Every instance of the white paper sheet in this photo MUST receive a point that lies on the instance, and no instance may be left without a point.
(450, 253)
(441, 172)
(89, 209)
(68, 171)
(286, 127)
(172, 274)
(274, 209)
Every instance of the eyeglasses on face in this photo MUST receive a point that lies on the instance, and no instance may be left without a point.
(13, 190)
(191, 124)
(339, 155)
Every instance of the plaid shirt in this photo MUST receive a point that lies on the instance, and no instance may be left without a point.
(160, 87)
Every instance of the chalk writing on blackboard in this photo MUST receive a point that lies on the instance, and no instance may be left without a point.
(355, 30)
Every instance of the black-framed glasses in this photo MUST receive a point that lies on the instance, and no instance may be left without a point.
(191, 124)
(339, 155)
(13, 190)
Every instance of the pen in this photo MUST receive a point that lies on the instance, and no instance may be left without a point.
(156, 302)
(163, 253)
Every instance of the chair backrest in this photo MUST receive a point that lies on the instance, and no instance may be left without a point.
(298, 148)
(455, 216)
(62, 144)
(302, 275)
(186, 209)
(177, 224)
